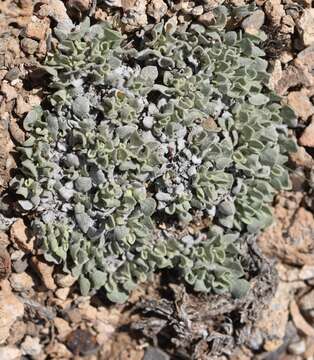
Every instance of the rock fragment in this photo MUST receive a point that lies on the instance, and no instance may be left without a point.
(307, 306)
(305, 26)
(297, 348)
(4, 239)
(288, 25)
(10, 310)
(299, 320)
(21, 282)
(25, 4)
(22, 107)
(58, 350)
(62, 326)
(57, 11)
(157, 9)
(306, 273)
(197, 10)
(5, 263)
(65, 281)
(9, 91)
(254, 22)
(16, 132)
(31, 346)
(45, 271)
(54, 9)
(17, 332)
(206, 19)
(153, 353)
(274, 10)
(301, 104)
(19, 235)
(293, 75)
(278, 312)
(37, 28)
(62, 293)
(12, 74)
(29, 46)
(88, 312)
(303, 159)
(81, 342)
(307, 137)
(306, 58)
(10, 353)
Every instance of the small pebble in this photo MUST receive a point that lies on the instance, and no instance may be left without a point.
(297, 348)
(62, 293)
(31, 346)
(29, 46)
(12, 74)
(81, 342)
(198, 10)
(20, 265)
(21, 282)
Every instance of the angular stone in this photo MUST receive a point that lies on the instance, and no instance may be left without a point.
(10, 353)
(307, 137)
(301, 104)
(45, 271)
(10, 310)
(305, 26)
(37, 28)
(293, 75)
(12, 74)
(65, 280)
(153, 353)
(31, 346)
(207, 18)
(62, 293)
(306, 273)
(29, 46)
(275, 11)
(9, 91)
(19, 236)
(62, 326)
(157, 9)
(5, 263)
(21, 107)
(21, 282)
(254, 22)
(16, 132)
(304, 159)
(306, 58)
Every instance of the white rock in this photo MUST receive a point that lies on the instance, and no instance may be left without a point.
(306, 26)
(10, 353)
(254, 22)
(297, 348)
(21, 282)
(31, 346)
(307, 272)
(10, 310)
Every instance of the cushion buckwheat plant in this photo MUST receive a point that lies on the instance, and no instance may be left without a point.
(162, 155)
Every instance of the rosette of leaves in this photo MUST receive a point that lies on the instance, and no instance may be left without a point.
(138, 146)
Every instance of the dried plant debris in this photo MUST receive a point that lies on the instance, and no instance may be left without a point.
(203, 327)
(160, 155)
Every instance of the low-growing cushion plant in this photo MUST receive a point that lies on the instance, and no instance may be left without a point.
(159, 155)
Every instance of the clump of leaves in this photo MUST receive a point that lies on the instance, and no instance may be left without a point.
(138, 147)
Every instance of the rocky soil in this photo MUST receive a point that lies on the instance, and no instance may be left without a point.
(42, 315)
